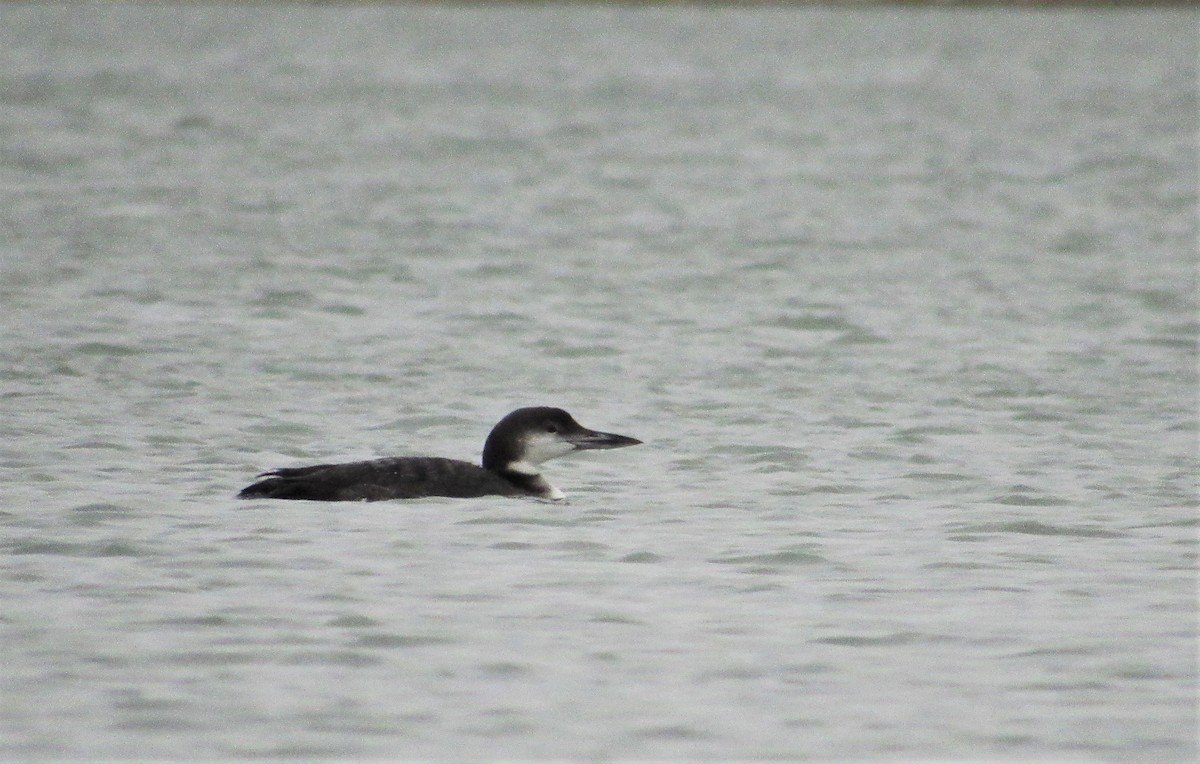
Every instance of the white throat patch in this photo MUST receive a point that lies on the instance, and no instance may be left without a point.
(522, 468)
(540, 448)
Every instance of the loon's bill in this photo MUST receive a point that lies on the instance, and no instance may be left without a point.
(515, 447)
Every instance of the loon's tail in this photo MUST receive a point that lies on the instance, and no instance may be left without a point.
(276, 488)
(288, 483)
(263, 489)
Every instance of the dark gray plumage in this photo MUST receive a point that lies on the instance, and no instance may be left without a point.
(514, 448)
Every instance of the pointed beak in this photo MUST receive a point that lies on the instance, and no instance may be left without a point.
(590, 439)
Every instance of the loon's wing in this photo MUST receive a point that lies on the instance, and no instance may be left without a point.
(379, 479)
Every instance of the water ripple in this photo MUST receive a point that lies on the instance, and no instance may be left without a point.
(1037, 528)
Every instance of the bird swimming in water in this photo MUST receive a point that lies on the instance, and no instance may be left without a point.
(515, 447)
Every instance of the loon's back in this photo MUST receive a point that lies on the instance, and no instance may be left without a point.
(402, 477)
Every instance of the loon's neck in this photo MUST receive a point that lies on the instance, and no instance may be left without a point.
(527, 477)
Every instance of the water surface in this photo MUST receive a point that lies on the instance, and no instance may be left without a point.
(902, 303)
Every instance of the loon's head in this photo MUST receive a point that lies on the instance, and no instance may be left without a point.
(527, 437)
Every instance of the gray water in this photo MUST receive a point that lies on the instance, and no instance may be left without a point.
(903, 304)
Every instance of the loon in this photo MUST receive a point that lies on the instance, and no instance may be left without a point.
(511, 455)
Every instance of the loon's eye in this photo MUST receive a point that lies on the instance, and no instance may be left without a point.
(551, 428)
